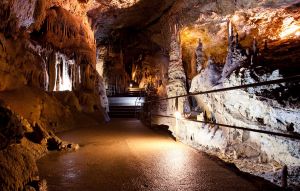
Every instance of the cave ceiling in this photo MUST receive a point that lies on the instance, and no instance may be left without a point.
(143, 24)
(112, 17)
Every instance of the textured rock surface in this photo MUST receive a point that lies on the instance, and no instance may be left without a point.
(176, 76)
(25, 140)
(256, 153)
(42, 49)
(17, 153)
(252, 50)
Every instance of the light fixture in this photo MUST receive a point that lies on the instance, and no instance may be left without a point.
(177, 114)
(130, 85)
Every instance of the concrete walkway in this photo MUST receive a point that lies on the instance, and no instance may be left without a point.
(125, 155)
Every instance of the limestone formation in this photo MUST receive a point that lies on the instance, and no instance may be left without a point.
(199, 55)
(59, 59)
(230, 44)
(176, 76)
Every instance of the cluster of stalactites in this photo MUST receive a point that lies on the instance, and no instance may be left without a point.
(60, 29)
(66, 30)
(65, 73)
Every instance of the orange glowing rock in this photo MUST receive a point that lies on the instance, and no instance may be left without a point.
(290, 28)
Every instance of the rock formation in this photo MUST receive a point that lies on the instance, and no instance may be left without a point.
(59, 58)
(177, 78)
(46, 51)
(232, 42)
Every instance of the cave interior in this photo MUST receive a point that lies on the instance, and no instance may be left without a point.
(64, 62)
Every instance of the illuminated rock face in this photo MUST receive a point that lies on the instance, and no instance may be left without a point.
(252, 50)
(244, 108)
(64, 72)
(176, 77)
(47, 77)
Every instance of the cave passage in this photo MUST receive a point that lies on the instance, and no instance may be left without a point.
(133, 157)
(149, 95)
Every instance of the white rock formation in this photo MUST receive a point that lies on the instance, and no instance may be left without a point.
(177, 78)
(253, 152)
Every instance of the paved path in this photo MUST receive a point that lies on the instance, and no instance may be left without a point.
(125, 155)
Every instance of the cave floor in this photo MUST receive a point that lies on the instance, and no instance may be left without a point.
(126, 155)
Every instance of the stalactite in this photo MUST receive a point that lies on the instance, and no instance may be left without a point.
(64, 29)
(47, 25)
(254, 47)
(236, 40)
(3, 46)
(79, 74)
(199, 57)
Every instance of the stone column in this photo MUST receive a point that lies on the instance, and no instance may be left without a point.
(176, 75)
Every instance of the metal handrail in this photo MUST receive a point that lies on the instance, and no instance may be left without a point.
(137, 102)
(293, 136)
(295, 78)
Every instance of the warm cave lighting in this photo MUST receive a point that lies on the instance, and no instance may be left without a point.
(124, 4)
(190, 37)
(290, 28)
(177, 114)
(130, 85)
(64, 79)
(235, 18)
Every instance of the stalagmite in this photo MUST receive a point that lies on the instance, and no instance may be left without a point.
(45, 77)
(177, 78)
(235, 58)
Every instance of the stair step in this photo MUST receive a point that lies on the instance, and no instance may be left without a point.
(125, 106)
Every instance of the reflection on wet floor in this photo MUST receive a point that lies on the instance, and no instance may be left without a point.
(125, 155)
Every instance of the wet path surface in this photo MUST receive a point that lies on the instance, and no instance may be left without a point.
(125, 155)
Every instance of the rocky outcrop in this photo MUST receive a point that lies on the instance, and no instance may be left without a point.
(260, 154)
(22, 143)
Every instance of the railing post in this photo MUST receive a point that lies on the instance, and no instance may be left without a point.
(284, 174)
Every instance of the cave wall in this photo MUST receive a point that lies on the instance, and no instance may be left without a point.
(47, 79)
(230, 43)
(49, 45)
